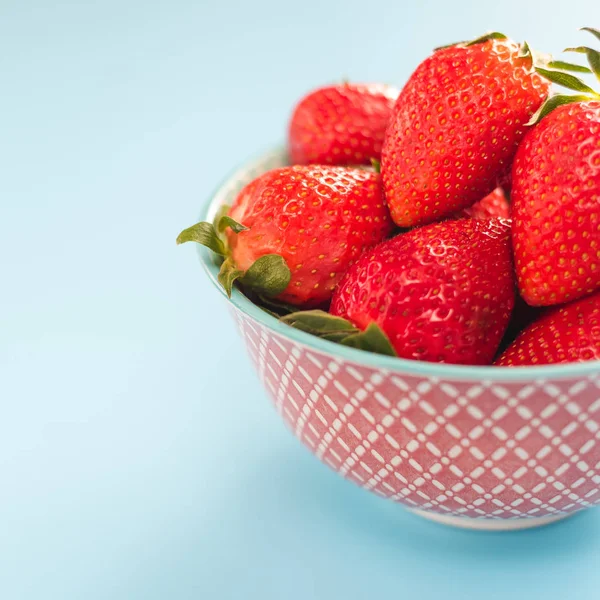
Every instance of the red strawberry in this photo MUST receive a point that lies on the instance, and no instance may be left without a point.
(569, 333)
(341, 124)
(456, 126)
(442, 293)
(556, 206)
(556, 193)
(493, 205)
(303, 226)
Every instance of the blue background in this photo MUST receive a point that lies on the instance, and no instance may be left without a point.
(139, 458)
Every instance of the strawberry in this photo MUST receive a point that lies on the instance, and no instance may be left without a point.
(556, 206)
(456, 126)
(294, 231)
(441, 293)
(569, 333)
(341, 124)
(556, 197)
(493, 205)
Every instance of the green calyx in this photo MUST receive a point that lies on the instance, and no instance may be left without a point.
(226, 221)
(593, 58)
(269, 275)
(340, 331)
(228, 275)
(565, 80)
(205, 234)
(321, 324)
(372, 339)
(492, 35)
(545, 65)
(272, 306)
(561, 65)
(556, 72)
(594, 32)
(554, 102)
(211, 235)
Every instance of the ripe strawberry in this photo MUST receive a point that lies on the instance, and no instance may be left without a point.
(556, 195)
(294, 231)
(441, 293)
(341, 124)
(556, 206)
(493, 205)
(569, 333)
(456, 126)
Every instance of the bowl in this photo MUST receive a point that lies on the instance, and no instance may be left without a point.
(477, 447)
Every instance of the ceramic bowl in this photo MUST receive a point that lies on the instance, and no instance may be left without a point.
(479, 447)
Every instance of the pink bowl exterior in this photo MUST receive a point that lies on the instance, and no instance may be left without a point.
(485, 450)
(459, 446)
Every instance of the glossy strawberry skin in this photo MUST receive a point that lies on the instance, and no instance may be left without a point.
(493, 205)
(556, 206)
(455, 129)
(341, 124)
(569, 333)
(319, 219)
(442, 293)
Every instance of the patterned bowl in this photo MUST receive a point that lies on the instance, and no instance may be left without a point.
(478, 447)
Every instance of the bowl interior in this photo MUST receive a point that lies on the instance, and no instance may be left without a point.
(226, 194)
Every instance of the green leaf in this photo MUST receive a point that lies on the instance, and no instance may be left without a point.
(226, 221)
(525, 50)
(593, 31)
(554, 102)
(338, 336)
(228, 275)
(275, 306)
(340, 331)
(578, 49)
(269, 312)
(205, 234)
(217, 259)
(371, 339)
(493, 35)
(448, 46)
(593, 57)
(569, 81)
(269, 275)
(376, 164)
(319, 322)
(566, 66)
(223, 210)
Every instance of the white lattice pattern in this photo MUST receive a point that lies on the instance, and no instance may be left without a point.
(481, 450)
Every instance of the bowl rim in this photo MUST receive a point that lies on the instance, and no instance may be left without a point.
(471, 373)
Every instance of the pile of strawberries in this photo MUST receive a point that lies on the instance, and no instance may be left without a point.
(455, 221)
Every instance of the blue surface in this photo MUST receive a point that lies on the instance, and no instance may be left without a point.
(139, 457)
